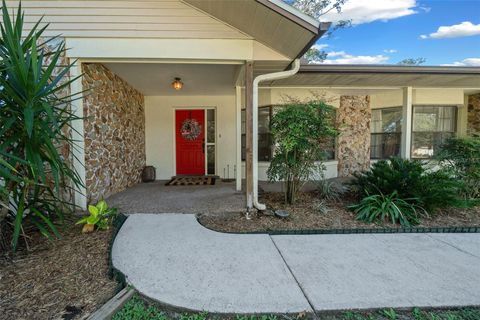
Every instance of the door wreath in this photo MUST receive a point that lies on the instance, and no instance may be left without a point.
(190, 129)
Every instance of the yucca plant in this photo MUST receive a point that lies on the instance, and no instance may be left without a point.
(382, 208)
(36, 123)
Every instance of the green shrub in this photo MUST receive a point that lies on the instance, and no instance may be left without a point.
(410, 179)
(298, 130)
(462, 157)
(379, 207)
(100, 216)
(329, 189)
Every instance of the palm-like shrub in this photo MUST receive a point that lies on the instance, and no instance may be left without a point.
(462, 157)
(35, 124)
(298, 131)
(390, 207)
(410, 179)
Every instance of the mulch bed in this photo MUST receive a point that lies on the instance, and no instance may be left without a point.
(304, 215)
(63, 279)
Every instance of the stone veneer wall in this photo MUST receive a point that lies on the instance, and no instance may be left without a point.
(353, 144)
(114, 132)
(473, 125)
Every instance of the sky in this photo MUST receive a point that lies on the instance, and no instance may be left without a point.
(444, 32)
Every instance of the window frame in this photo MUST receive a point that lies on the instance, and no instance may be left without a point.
(243, 135)
(400, 133)
(454, 132)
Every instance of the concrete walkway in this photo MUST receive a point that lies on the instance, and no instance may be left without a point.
(176, 261)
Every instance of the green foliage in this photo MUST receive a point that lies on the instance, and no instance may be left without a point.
(330, 190)
(410, 179)
(390, 314)
(263, 317)
(412, 62)
(136, 309)
(35, 126)
(313, 55)
(298, 130)
(100, 215)
(379, 207)
(194, 316)
(462, 157)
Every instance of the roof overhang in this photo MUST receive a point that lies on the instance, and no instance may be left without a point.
(321, 75)
(271, 22)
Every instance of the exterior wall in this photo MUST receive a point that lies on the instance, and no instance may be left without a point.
(114, 129)
(354, 115)
(473, 121)
(125, 19)
(160, 133)
(353, 144)
(394, 98)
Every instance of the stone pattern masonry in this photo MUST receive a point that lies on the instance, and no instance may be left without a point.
(114, 128)
(473, 126)
(353, 144)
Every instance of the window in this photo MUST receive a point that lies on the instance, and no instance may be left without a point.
(211, 141)
(386, 133)
(265, 138)
(432, 125)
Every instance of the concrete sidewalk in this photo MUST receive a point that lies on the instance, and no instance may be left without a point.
(174, 260)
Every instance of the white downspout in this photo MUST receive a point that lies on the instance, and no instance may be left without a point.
(256, 81)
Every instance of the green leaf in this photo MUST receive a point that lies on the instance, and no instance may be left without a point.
(102, 206)
(93, 219)
(28, 115)
(93, 210)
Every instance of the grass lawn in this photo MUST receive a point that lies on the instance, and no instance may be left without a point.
(138, 309)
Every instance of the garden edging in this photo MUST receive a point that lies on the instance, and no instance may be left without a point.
(355, 230)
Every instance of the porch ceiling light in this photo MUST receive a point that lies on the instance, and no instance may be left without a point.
(177, 84)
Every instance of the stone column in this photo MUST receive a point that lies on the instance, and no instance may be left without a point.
(473, 122)
(114, 129)
(353, 119)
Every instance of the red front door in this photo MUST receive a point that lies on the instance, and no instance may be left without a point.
(190, 141)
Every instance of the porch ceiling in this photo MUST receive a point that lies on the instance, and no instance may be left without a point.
(154, 79)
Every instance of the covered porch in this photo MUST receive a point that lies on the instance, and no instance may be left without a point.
(156, 197)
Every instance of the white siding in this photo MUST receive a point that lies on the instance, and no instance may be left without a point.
(125, 19)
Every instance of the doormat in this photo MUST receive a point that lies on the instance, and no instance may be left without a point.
(191, 181)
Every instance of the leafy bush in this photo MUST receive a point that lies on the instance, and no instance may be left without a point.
(462, 157)
(100, 216)
(298, 130)
(379, 207)
(35, 126)
(410, 179)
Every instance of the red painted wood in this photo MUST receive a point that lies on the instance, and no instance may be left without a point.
(190, 154)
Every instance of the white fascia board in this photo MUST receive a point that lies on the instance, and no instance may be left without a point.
(296, 12)
(199, 49)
